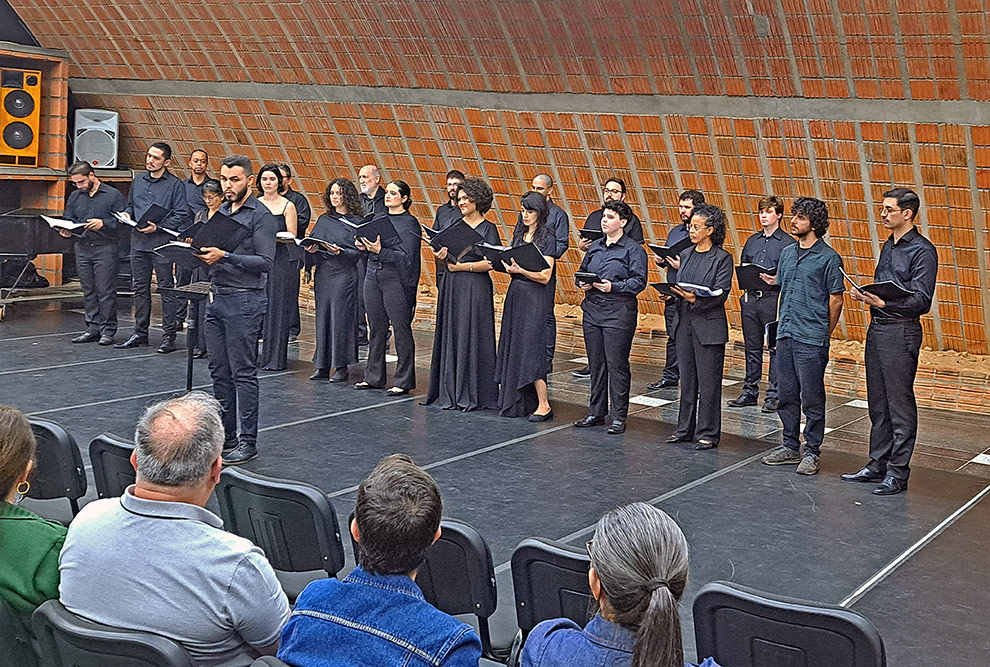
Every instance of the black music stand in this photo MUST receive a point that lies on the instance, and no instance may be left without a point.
(195, 293)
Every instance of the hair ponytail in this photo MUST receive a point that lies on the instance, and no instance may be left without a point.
(658, 640)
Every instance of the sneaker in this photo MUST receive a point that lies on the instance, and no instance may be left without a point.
(808, 465)
(782, 456)
(582, 372)
(242, 454)
(770, 405)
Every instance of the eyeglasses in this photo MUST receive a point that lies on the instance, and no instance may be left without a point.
(697, 228)
(887, 209)
(612, 191)
(588, 545)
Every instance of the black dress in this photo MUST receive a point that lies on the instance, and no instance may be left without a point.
(335, 291)
(278, 316)
(462, 372)
(522, 353)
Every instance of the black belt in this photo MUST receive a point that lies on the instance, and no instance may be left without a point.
(895, 320)
(759, 294)
(234, 290)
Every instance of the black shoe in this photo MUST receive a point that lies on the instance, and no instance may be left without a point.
(582, 372)
(229, 446)
(133, 341)
(364, 386)
(743, 400)
(548, 417)
(88, 337)
(106, 339)
(168, 344)
(889, 487)
(590, 420)
(770, 405)
(616, 427)
(674, 439)
(242, 454)
(320, 374)
(864, 475)
(340, 375)
(199, 353)
(705, 443)
(662, 383)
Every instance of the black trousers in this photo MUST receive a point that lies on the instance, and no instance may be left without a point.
(96, 265)
(757, 313)
(294, 322)
(670, 369)
(233, 325)
(551, 324)
(362, 315)
(387, 302)
(699, 415)
(143, 262)
(891, 364)
(609, 325)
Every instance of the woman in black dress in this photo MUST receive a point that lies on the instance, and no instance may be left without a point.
(462, 372)
(285, 268)
(521, 364)
(335, 286)
(390, 294)
(702, 329)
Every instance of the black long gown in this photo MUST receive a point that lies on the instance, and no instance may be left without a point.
(335, 291)
(278, 317)
(522, 353)
(462, 373)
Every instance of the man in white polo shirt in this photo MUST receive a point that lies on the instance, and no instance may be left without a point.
(155, 560)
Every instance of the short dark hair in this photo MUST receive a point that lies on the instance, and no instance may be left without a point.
(79, 168)
(621, 208)
(404, 191)
(278, 176)
(694, 195)
(816, 212)
(616, 179)
(212, 185)
(164, 148)
(479, 192)
(286, 170)
(242, 161)
(199, 150)
(352, 201)
(397, 512)
(772, 201)
(907, 199)
(455, 173)
(714, 217)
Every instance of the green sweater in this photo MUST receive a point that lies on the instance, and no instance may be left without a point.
(29, 548)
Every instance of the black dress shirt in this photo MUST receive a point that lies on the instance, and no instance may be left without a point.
(446, 215)
(622, 263)
(633, 228)
(106, 201)
(764, 251)
(374, 205)
(248, 266)
(194, 196)
(169, 193)
(303, 212)
(912, 263)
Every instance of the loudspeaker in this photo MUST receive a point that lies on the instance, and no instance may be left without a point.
(96, 137)
(20, 113)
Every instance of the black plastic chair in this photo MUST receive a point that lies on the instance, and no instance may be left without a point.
(549, 580)
(294, 523)
(269, 661)
(742, 627)
(112, 469)
(458, 577)
(59, 471)
(66, 639)
(16, 639)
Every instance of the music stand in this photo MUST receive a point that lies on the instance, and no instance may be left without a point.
(195, 293)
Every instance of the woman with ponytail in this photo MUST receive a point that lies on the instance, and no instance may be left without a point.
(639, 567)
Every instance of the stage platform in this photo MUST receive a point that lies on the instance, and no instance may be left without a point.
(912, 563)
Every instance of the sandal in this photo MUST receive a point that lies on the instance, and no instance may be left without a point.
(396, 391)
(365, 385)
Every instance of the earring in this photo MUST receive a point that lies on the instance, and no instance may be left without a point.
(27, 487)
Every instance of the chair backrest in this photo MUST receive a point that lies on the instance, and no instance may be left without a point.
(66, 639)
(270, 661)
(742, 627)
(293, 523)
(59, 471)
(16, 639)
(112, 469)
(550, 580)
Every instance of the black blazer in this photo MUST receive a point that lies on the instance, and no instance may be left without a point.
(712, 269)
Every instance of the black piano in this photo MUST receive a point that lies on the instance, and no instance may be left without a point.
(24, 235)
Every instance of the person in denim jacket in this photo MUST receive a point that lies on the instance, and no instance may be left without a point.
(639, 567)
(377, 614)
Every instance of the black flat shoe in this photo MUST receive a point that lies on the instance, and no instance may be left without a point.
(742, 401)
(320, 374)
(397, 391)
(106, 340)
(361, 386)
(168, 344)
(674, 439)
(341, 375)
(87, 337)
(133, 341)
(889, 487)
(616, 427)
(706, 444)
(548, 417)
(864, 475)
(590, 420)
(662, 384)
(199, 353)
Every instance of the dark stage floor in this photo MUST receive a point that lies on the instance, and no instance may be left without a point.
(907, 562)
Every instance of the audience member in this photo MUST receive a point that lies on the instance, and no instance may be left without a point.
(29, 545)
(639, 567)
(377, 614)
(155, 560)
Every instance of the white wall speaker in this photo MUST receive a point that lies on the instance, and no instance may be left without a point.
(96, 137)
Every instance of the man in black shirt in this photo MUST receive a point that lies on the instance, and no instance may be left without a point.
(235, 310)
(560, 226)
(448, 213)
(893, 342)
(303, 215)
(373, 197)
(759, 307)
(97, 259)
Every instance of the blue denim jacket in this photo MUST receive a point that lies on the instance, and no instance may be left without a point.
(562, 642)
(370, 619)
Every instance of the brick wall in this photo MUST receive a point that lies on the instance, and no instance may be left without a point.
(837, 99)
